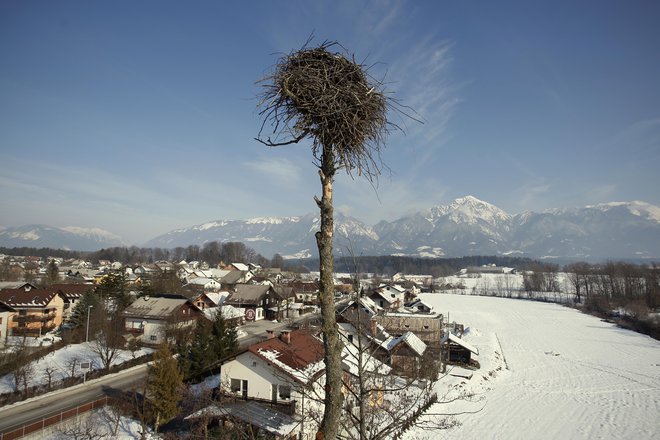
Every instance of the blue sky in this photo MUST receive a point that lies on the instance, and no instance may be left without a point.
(139, 117)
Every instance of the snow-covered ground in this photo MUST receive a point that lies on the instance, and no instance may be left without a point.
(101, 423)
(61, 362)
(549, 372)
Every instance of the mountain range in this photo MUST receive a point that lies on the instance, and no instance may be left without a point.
(466, 226)
(69, 237)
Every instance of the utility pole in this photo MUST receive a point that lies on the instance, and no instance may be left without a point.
(87, 331)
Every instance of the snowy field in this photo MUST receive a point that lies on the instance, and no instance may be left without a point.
(549, 372)
(65, 362)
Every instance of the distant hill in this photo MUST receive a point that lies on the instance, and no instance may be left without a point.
(71, 237)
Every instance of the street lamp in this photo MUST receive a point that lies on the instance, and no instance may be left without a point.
(87, 331)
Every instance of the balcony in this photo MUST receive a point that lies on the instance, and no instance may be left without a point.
(35, 318)
(135, 331)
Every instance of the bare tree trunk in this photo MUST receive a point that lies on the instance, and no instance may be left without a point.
(332, 344)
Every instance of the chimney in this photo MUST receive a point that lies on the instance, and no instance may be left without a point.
(270, 333)
(285, 336)
(374, 327)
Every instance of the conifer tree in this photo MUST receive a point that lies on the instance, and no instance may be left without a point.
(223, 335)
(200, 354)
(212, 341)
(78, 318)
(52, 273)
(165, 383)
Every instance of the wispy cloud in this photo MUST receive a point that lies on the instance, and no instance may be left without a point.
(601, 193)
(529, 194)
(277, 170)
(641, 136)
(391, 200)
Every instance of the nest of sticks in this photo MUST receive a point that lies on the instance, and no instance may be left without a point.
(323, 95)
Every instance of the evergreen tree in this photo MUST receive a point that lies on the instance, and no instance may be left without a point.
(224, 339)
(78, 318)
(114, 286)
(200, 354)
(212, 341)
(165, 383)
(52, 273)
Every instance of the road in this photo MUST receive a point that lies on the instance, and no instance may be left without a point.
(32, 410)
(35, 409)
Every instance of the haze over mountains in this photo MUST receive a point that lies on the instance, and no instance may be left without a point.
(467, 226)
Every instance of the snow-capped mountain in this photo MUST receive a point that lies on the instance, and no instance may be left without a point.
(466, 226)
(70, 237)
(609, 230)
(288, 236)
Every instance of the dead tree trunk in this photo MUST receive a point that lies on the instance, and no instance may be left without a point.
(331, 341)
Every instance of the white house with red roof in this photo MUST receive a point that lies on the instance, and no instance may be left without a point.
(276, 370)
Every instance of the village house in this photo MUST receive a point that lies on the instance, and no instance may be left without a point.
(6, 315)
(150, 319)
(207, 300)
(427, 326)
(233, 316)
(391, 296)
(72, 293)
(306, 291)
(255, 300)
(202, 285)
(38, 311)
(235, 277)
(456, 351)
(278, 371)
(165, 266)
(404, 353)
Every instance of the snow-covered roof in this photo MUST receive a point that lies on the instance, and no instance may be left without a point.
(350, 356)
(459, 341)
(249, 293)
(217, 298)
(199, 281)
(410, 339)
(241, 266)
(228, 312)
(301, 358)
(255, 414)
(156, 307)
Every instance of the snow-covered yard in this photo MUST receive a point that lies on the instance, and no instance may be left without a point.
(66, 360)
(101, 423)
(550, 372)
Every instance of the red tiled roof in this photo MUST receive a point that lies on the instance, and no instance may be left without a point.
(27, 298)
(303, 351)
(74, 290)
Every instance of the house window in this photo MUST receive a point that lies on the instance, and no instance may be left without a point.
(254, 363)
(235, 385)
(285, 392)
(350, 338)
(154, 337)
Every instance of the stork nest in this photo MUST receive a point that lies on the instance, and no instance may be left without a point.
(317, 94)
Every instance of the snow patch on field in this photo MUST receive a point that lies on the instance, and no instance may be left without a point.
(548, 372)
